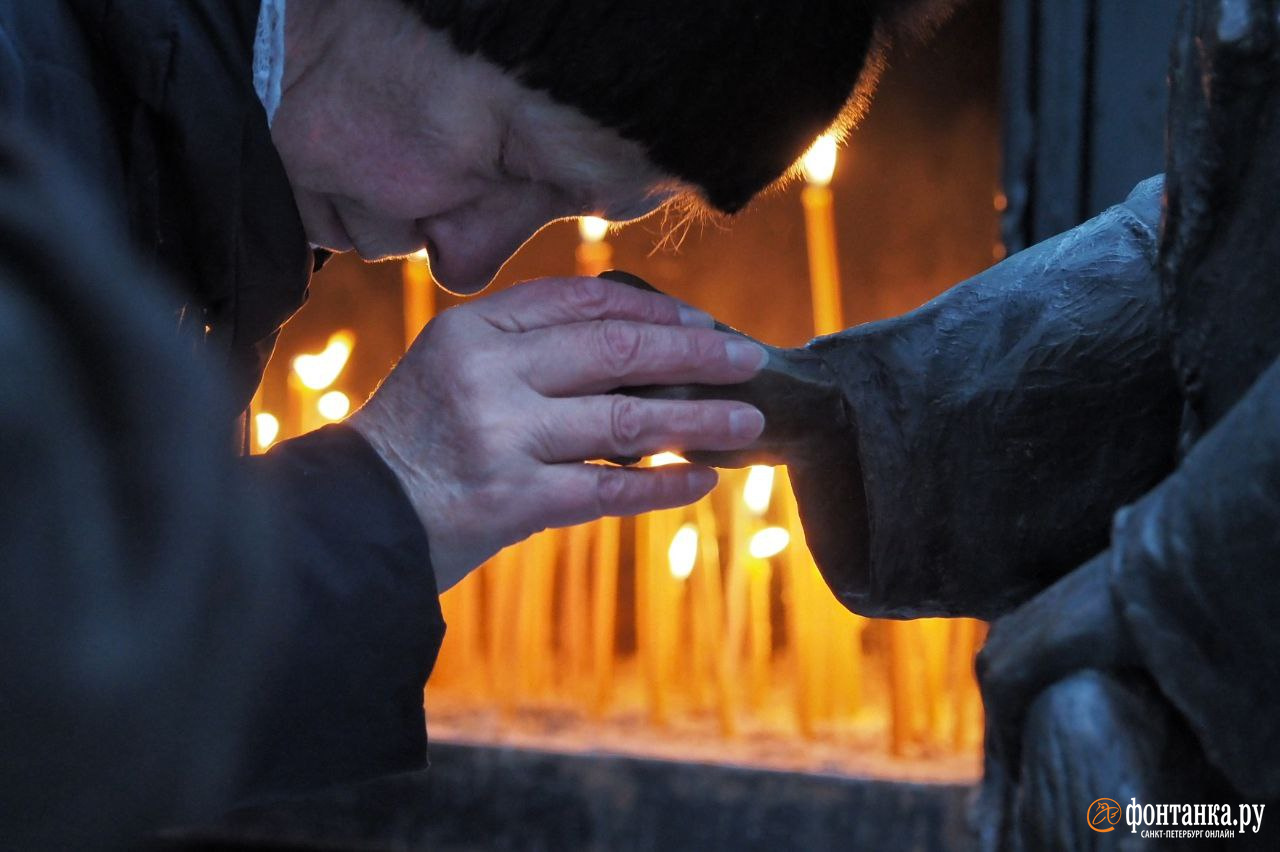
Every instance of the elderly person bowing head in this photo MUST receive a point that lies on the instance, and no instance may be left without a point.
(234, 143)
(466, 136)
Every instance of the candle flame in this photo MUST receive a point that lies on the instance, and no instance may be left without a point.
(759, 488)
(318, 371)
(265, 429)
(770, 541)
(419, 255)
(664, 459)
(819, 162)
(592, 229)
(683, 552)
(333, 406)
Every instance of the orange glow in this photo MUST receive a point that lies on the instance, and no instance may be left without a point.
(333, 406)
(819, 162)
(266, 428)
(664, 459)
(770, 541)
(318, 371)
(592, 229)
(759, 489)
(682, 555)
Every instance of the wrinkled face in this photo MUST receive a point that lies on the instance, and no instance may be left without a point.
(410, 145)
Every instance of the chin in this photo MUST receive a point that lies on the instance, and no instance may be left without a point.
(461, 287)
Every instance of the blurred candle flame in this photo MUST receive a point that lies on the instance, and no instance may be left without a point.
(333, 406)
(266, 428)
(592, 229)
(759, 488)
(664, 459)
(770, 541)
(819, 162)
(318, 371)
(683, 552)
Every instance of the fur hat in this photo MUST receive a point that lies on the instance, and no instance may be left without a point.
(723, 94)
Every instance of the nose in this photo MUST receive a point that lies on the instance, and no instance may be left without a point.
(467, 249)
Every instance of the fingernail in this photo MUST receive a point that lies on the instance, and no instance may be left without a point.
(745, 355)
(695, 318)
(702, 479)
(746, 423)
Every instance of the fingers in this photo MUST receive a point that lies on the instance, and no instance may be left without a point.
(595, 357)
(578, 493)
(614, 425)
(546, 302)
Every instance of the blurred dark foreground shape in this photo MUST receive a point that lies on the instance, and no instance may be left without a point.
(130, 618)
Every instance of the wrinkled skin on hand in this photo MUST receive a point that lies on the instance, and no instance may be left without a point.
(488, 419)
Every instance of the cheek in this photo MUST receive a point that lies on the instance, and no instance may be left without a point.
(395, 182)
(386, 173)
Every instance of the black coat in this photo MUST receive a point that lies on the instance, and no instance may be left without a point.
(151, 103)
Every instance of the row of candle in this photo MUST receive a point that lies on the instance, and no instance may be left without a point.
(703, 624)
(540, 621)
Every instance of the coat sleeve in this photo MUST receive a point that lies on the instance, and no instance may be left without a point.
(345, 694)
(10, 74)
(1194, 566)
(998, 427)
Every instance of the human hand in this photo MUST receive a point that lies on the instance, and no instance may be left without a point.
(1072, 625)
(489, 417)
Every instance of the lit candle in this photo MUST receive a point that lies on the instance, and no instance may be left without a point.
(820, 232)
(803, 644)
(461, 649)
(662, 617)
(765, 544)
(902, 704)
(333, 405)
(503, 572)
(266, 428)
(314, 373)
(574, 608)
(682, 558)
(594, 254)
(737, 581)
(655, 622)
(965, 639)
(604, 610)
(537, 584)
(419, 295)
(758, 490)
(849, 630)
(934, 634)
